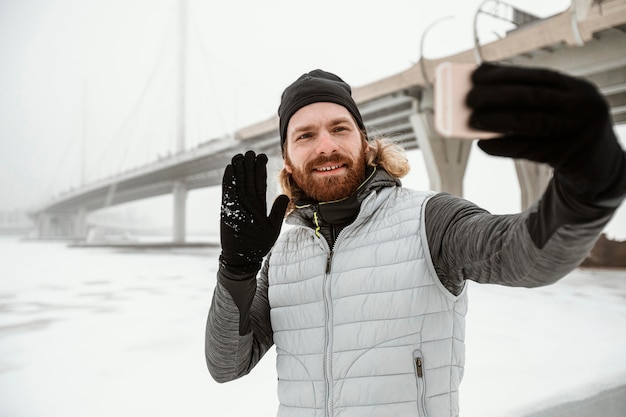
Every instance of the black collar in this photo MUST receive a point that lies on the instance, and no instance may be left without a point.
(344, 211)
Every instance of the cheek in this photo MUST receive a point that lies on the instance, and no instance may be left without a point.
(292, 160)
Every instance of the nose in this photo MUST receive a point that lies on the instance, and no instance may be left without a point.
(326, 143)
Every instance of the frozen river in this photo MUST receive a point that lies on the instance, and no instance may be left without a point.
(104, 332)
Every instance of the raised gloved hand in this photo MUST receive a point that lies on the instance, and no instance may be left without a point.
(247, 233)
(552, 118)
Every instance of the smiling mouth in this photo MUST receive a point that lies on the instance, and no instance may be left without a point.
(330, 168)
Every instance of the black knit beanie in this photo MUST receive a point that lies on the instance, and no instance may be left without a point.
(315, 86)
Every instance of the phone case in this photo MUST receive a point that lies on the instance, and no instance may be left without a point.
(452, 83)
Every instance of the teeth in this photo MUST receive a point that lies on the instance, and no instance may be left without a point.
(329, 168)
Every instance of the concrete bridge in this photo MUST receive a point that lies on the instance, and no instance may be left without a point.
(586, 40)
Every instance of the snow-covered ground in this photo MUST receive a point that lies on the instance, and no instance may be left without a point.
(531, 349)
(99, 332)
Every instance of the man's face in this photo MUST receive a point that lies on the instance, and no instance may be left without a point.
(324, 151)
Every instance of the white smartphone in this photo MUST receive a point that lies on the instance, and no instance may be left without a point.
(452, 83)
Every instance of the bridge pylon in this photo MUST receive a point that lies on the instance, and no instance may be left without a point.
(66, 225)
(445, 159)
(179, 192)
(533, 179)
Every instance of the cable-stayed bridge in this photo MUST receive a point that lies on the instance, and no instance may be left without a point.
(587, 40)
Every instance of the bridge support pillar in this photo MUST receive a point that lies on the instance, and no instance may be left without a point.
(446, 159)
(43, 225)
(56, 225)
(80, 223)
(180, 211)
(533, 179)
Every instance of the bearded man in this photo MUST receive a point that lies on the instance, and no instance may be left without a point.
(365, 296)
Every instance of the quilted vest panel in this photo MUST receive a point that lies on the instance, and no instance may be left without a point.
(366, 329)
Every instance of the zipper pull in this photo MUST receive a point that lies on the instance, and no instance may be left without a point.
(329, 258)
(418, 365)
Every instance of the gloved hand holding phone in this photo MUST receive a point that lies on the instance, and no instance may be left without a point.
(549, 117)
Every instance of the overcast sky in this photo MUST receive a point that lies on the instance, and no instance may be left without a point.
(92, 84)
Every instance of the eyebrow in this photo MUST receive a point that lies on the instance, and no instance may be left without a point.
(337, 120)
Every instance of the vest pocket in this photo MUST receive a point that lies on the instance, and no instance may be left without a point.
(418, 364)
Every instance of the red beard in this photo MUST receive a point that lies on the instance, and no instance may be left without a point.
(330, 187)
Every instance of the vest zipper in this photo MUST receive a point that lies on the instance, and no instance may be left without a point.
(329, 260)
(329, 316)
(328, 369)
(421, 383)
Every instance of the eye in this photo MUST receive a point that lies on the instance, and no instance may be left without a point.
(304, 136)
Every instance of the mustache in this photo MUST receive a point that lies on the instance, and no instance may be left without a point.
(326, 159)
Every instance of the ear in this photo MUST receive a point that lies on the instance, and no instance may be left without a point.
(367, 147)
(287, 167)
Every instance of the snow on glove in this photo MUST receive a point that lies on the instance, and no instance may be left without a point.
(247, 233)
(552, 118)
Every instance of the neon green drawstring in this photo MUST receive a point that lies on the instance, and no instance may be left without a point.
(317, 224)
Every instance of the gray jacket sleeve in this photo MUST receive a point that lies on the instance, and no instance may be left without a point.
(238, 330)
(533, 248)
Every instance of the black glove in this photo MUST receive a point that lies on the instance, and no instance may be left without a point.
(551, 118)
(246, 232)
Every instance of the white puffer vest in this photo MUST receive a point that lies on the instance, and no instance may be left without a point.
(366, 329)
